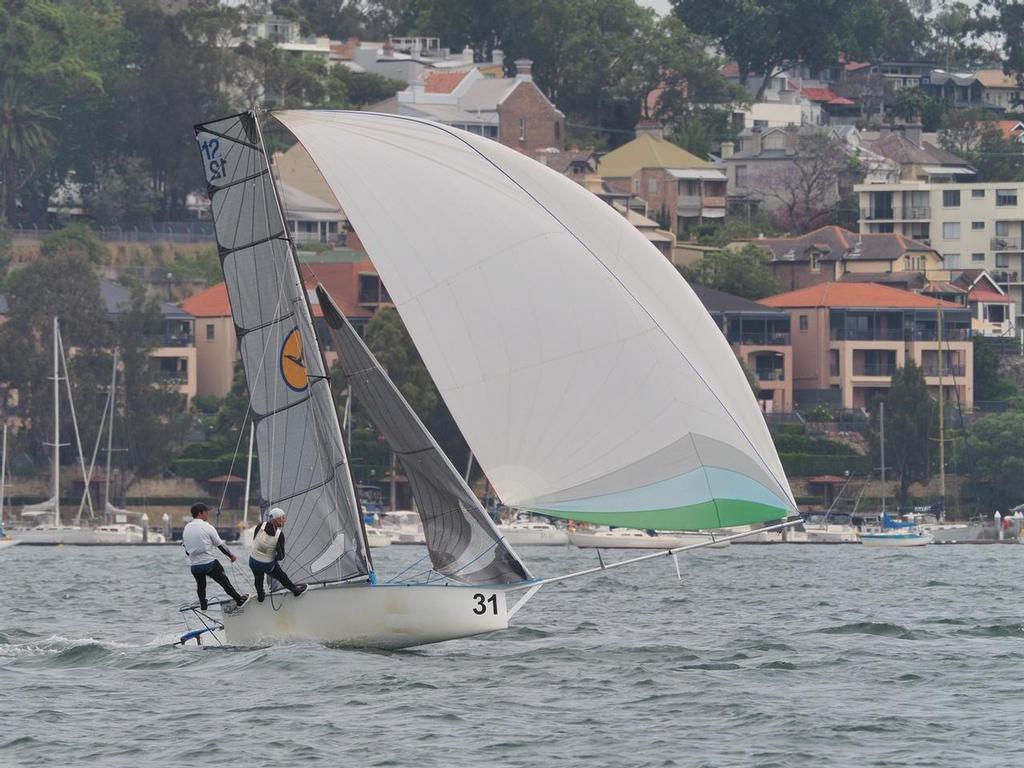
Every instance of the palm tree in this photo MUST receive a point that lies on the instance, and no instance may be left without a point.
(24, 136)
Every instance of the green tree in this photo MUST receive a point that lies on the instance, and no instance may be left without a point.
(75, 240)
(910, 417)
(972, 136)
(989, 383)
(122, 195)
(995, 452)
(743, 272)
(388, 340)
(766, 37)
(914, 104)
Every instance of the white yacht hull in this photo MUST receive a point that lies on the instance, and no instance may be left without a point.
(5, 543)
(833, 534)
(53, 535)
(895, 539)
(534, 537)
(631, 540)
(370, 616)
(377, 539)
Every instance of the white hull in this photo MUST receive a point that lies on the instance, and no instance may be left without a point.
(534, 535)
(370, 616)
(896, 539)
(831, 534)
(5, 543)
(73, 534)
(377, 539)
(622, 538)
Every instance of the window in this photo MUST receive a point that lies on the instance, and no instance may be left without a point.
(1002, 261)
(775, 140)
(636, 186)
(977, 225)
(558, 131)
(491, 131)
(951, 260)
(741, 175)
(977, 193)
(652, 185)
(803, 322)
(1002, 229)
(951, 230)
(977, 257)
(951, 198)
(1006, 197)
(209, 332)
(815, 265)
(522, 129)
(760, 123)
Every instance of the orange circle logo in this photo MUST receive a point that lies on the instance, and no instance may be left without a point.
(293, 367)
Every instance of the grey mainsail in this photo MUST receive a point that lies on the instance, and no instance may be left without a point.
(463, 543)
(302, 461)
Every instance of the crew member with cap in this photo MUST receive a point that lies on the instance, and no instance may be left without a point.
(268, 551)
(201, 540)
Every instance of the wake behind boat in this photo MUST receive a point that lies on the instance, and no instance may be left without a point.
(529, 390)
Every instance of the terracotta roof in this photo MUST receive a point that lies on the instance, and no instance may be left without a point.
(842, 101)
(212, 302)
(443, 82)
(851, 66)
(986, 295)
(1011, 129)
(732, 69)
(819, 94)
(867, 295)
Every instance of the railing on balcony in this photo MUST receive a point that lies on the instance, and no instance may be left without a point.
(917, 212)
(688, 202)
(868, 334)
(178, 340)
(948, 334)
(174, 377)
(714, 201)
(1004, 244)
(753, 338)
(771, 374)
(957, 369)
(874, 369)
(1004, 278)
(875, 214)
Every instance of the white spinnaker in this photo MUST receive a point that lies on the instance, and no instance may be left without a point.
(568, 349)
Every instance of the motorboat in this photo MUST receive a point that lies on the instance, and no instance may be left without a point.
(377, 537)
(403, 527)
(898, 538)
(536, 533)
(825, 528)
(628, 538)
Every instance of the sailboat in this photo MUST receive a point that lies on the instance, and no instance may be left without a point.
(583, 371)
(5, 540)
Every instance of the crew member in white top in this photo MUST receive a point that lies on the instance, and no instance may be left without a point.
(201, 540)
(268, 551)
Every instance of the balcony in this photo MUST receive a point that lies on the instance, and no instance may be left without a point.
(714, 201)
(917, 213)
(770, 374)
(764, 339)
(178, 378)
(867, 334)
(689, 202)
(177, 340)
(948, 334)
(876, 214)
(1005, 278)
(1004, 244)
(874, 369)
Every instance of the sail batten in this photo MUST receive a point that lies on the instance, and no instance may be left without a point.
(296, 431)
(568, 349)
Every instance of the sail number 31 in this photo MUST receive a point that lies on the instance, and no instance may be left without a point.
(482, 603)
(215, 162)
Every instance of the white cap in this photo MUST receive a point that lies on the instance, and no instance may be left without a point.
(275, 513)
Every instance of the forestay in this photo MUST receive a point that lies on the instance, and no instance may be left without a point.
(582, 369)
(302, 463)
(463, 542)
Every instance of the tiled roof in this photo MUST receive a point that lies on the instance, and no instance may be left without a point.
(732, 69)
(900, 149)
(647, 151)
(819, 94)
(720, 301)
(865, 295)
(443, 82)
(996, 78)
(1011, 129)
(212, 302)
(835, 243)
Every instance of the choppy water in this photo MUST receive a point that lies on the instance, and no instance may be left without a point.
(762, 655)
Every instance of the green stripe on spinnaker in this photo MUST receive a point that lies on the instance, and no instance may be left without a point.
(722, 513)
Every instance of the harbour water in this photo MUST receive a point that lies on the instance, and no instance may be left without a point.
(761, 656)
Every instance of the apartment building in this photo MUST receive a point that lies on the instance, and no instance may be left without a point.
(973, 226)
(849, 339)
(760, 337)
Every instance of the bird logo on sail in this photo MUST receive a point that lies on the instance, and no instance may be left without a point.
(293, 367)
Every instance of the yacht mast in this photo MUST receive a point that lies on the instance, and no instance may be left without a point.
(248, 479)
(110, 435)
(56, 423)
(942, 428)
(3, 474)
(881, 428)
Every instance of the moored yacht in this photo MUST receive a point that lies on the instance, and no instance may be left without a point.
(628, 538)
(532, 532)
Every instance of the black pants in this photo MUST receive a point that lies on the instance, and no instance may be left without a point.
(218, 575)
(278, 573)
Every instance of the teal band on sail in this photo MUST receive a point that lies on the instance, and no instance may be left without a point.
(718, 513)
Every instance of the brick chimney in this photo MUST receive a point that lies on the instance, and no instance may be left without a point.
(524, 69)
(913, 133)
(728, 148)
(650, 128)
(498, 57)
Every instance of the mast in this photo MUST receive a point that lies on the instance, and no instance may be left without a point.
(3, 474)
(942, 427)
(248, 478)
(305, 309)
(56, 423)
(110, 433)
(881, 427)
